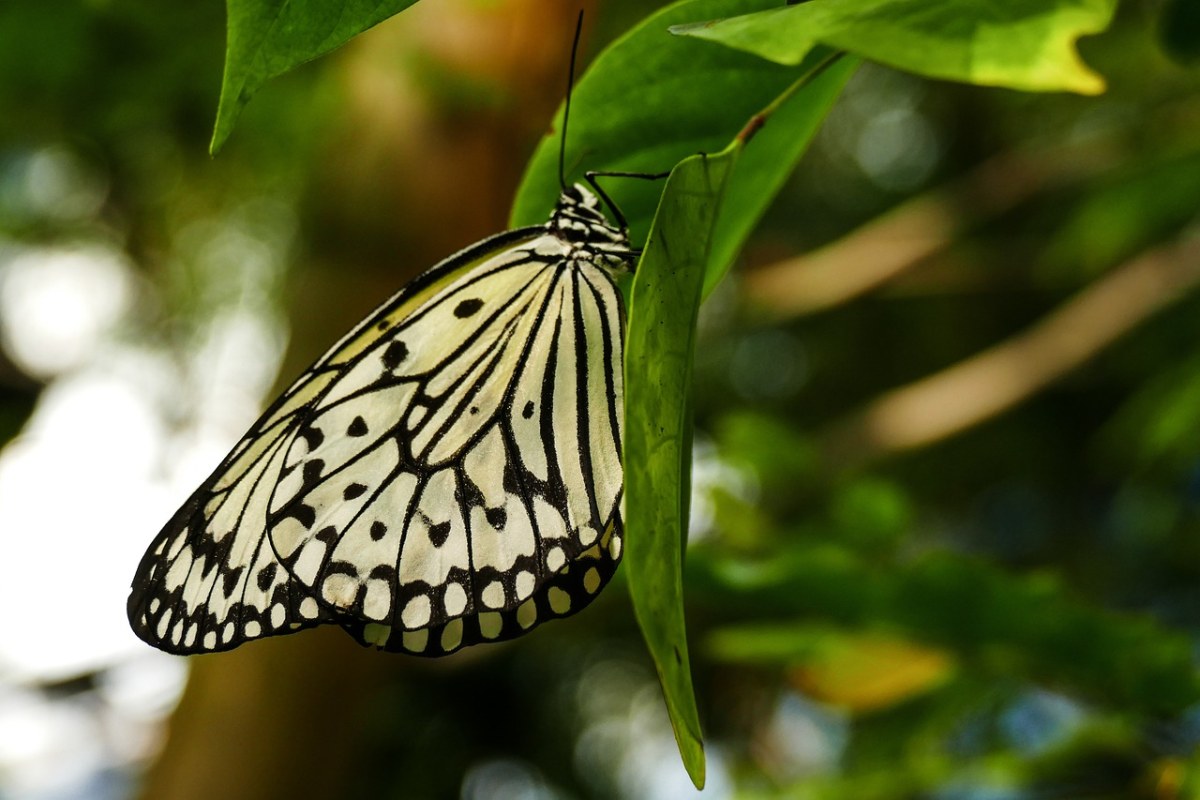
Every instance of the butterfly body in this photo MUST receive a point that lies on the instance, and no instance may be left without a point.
(448, 473)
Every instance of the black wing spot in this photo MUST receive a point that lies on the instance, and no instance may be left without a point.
(383, 572)
(438, 534)
(354, 490)
(378, 530)
(496, 517)
(527, 411)
(474, 409)
(468, 307)
(266, 576)
(313, 437)
(327, 535)
(357, 428)
(231, 580)
(312, 471)
(511, 481)
(342, 568)
(306, 515)
(383, 325)
(395, 354)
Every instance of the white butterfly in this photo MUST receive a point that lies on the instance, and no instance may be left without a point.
(448, 473)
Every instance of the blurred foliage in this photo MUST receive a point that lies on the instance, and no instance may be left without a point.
(1179, 27)
(1010, 612)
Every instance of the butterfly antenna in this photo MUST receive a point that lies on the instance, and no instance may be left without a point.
(562, 147)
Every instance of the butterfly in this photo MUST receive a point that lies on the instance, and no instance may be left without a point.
(448, 473)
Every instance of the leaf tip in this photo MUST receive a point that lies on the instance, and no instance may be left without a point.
(227, 113)
(693, 761)
(1090, 83)
(690, 28)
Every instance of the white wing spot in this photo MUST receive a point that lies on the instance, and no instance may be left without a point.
(493, 595)
(210, 640)
(560, 601)
(177, 545)
(339, 590)
(163, 622)
(190, 639)
(555, 559)
(416, 612)
(154, 604)
(614, 547)
(309, 608)
(525, 583)
(527, 614)
(227, 632)
(490, 623)
(591, 580)
(587, 534)
(253, 628)
(452, 635)
(455, 599)
(278, 615)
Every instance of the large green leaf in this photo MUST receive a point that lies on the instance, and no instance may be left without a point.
(658, 368)
(651, 99)
(269, 37)
(1019, 44)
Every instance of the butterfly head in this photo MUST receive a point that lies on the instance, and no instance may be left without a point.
(579, 220)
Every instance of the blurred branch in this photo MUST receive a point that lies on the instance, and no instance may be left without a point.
(1002, 376)
(281, 718)
(913, 231)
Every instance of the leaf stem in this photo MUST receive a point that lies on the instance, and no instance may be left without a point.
(756, 122)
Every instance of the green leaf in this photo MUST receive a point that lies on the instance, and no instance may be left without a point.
(658, 370)
(1019, 44)
(651, 99)
(764, 166)
(269, 37)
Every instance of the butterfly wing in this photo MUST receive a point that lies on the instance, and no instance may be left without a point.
(467, 491)
(377, 491)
